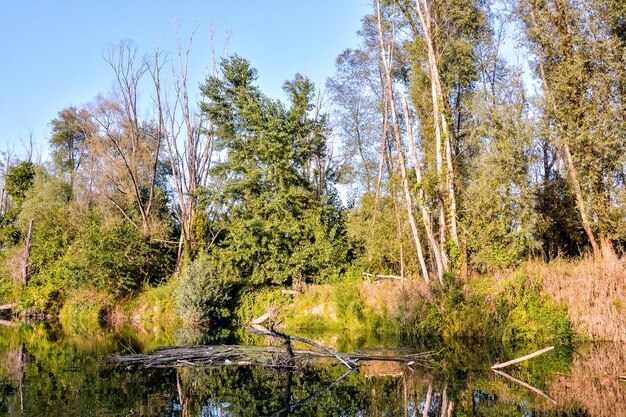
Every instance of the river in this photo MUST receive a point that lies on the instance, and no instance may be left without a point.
(47, 371)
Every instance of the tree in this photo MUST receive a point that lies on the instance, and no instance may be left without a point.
(584, 103)
(386, 52)
(277, 222)
(446, 40)
(129, 148)
(499, 208)
(189, 151)
(378, 218)
(356, 95)
(69, 134)
(17, 181)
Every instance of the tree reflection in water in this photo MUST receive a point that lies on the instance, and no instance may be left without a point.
(44, 372)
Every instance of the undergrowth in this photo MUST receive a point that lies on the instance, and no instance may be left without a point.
(507, 307)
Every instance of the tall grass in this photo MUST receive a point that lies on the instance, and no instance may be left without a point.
(594, 292)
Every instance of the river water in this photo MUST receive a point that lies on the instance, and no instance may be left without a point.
(48, 371)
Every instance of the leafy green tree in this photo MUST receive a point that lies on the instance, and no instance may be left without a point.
(579, 48)
(69, 133)
(499, 204)
(279, 220)
(18, 180)
(355, 90)
(47, 202)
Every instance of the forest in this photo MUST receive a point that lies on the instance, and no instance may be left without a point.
(431, 188)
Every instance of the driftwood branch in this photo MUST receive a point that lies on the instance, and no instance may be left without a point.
(526, 385)
(523, 358)
(369, 276)
(345, 361)
(261, 319)
(10, 306)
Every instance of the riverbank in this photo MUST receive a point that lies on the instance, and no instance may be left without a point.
(554, 302)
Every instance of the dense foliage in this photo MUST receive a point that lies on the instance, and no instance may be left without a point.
(203, 296)
(448, 164)
(278, 220)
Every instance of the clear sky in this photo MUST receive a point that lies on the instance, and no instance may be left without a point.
(52, 50)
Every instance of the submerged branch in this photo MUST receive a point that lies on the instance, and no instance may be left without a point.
(525, 385)
(291, 407)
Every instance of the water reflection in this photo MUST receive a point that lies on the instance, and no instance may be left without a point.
(44, 371)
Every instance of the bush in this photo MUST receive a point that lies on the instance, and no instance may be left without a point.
(202, 296)
(253, 303)
(111, 254)
(509, 307)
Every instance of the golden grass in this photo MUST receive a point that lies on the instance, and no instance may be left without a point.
(385, 296)
(14, 263)
(594, 292)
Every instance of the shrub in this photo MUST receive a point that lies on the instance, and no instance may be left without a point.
(256, 302)
(111, 254)
(509, 307)
(202, 296)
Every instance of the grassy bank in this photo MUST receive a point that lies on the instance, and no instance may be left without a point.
(151, 311)
(539, 302)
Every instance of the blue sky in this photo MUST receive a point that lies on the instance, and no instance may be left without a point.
(52, 51)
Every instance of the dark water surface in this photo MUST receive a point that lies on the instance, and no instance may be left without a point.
(44, 371)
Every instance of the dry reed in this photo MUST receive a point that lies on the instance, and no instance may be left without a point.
(385, 296)
(594, 292)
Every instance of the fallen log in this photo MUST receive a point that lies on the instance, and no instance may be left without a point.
(238, 355)
(9, 306)
(206, 357)
(523, 358)
(269, 356)
(345, 361)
